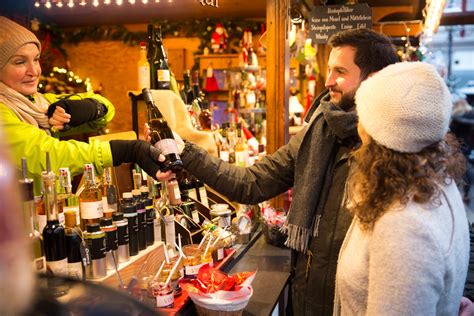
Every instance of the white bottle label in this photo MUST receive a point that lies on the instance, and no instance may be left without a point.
(242, 158)
(203, 195)
(177, 193)
(167, 146)
(165, 300)
(39, 264)
(57, 268)
(195, 216)
(144, 76)
(192, 194)
(75, 270)
(61, 218)
(163, 75)
(220, 254)
(105, 205)
(224, 155)
(90, 210)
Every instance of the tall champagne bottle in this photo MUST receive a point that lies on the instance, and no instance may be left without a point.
(159, 71)
(36, 242)
(162, 136)
(53, 234)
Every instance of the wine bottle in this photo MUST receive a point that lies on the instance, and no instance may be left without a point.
(53, 234)
(90, 199)
(36, 242)
(68, 200)
(73, 247)
(188, 91)
(186, 186)
(129, 210)
(201, 191)
(159, 71)
(162, 136)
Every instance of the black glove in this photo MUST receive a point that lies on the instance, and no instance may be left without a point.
(81, 111)
(136, 151)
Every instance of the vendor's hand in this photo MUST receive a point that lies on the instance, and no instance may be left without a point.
(59, 118)
(179, 141)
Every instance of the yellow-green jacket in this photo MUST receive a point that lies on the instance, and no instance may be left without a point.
(28, 141)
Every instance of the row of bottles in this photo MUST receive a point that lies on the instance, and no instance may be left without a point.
(96, 235)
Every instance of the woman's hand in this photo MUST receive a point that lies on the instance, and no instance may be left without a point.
(59, 118)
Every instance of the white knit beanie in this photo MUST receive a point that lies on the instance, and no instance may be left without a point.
(12, 37)
(405, 106)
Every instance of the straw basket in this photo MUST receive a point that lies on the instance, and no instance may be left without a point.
(220, 307)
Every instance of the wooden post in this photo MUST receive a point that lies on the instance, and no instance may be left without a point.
(278, 65)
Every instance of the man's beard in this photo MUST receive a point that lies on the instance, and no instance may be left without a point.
(347, 101)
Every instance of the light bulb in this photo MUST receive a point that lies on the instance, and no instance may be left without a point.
(37, 4)
(48, 4)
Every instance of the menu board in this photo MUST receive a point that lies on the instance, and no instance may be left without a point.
(325, 21)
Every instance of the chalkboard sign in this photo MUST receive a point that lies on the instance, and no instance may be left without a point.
(325, 21)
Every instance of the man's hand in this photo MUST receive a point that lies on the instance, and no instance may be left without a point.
(59, 118)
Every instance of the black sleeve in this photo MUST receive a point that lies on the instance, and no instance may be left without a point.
(81, 111)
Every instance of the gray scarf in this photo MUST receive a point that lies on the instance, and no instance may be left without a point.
(314, 169)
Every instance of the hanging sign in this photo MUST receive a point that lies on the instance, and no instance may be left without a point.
(325, 21)
(212, 3)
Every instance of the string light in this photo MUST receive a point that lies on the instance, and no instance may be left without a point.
(96, 3)
(432, 13)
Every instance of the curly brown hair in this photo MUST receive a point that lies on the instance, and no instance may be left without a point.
(381, 178)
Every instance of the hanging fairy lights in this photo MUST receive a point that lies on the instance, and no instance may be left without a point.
(95, 3)
(432, 14)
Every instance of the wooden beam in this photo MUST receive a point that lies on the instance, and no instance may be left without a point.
(457, 18)
(378, 13)
(397, 29)
(278, 65)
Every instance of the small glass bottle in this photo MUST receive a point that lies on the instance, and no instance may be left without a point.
(68, 200)
(73, 247)
(90, 199)
(95, 241)
(123, 251)
(150, 216)
(141, 213)
(174, 193)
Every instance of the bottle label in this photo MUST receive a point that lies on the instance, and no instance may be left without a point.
(39, 264)
(177, 193)
(220, 254)
(75, 270)
(167, 146)
(224, 155)
(144, 76)
(57, 268)
(241, 158)
(166, 300)
(104, 203)
(192, 194)
(61, 218)
(195, 215)
(203, 195)
(96, 247)
(163, 75)
(122, 232)
(90, 210)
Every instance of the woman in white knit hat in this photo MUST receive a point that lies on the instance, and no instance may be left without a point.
(32, 122)
(407, 250)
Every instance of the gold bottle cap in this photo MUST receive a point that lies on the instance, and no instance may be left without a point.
(70, 218)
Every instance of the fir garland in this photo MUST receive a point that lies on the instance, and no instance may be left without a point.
(202, 29)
